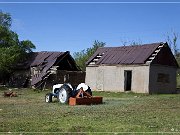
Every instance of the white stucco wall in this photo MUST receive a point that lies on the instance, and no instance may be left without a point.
(162, 87)
(111, 78)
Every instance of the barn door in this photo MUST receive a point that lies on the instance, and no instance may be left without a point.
(100, 80)
(127, 80)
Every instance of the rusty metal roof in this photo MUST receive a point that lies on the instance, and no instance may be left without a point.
(44, 60)
(39, 58)
(137, 54)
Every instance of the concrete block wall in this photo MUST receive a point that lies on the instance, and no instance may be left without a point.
(111, 78)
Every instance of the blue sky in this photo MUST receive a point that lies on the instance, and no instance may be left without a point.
(74, 26)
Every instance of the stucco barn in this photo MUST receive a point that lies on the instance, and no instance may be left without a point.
(149, 68)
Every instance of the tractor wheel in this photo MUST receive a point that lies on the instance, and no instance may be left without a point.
(48, 98)
(64, 94)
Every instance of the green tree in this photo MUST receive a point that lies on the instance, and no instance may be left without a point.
(11, 49)
(82, 56)
(5, 19)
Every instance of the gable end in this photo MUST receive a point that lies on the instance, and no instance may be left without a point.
(165, 57)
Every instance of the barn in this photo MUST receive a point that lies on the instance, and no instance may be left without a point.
(148, 68)
(44, 69)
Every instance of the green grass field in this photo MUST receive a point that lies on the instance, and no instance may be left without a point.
(120, 112)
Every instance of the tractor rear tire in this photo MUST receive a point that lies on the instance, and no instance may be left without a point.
(48, 98)
(64, 94)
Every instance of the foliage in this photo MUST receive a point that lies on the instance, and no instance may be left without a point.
(11, 49)
(5, 19)
(172, 39)
(178, 80)
(131, 42)
(120, 112)
(172, 42)
(8, 57)
(82, 56)
(27, 46)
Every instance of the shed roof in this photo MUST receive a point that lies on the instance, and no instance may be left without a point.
(45, 60)
(45, 57)
(39, 58)
(138, 54)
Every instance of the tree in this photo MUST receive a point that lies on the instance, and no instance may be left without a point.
(82, 56)
(172, 41)
(27, 46)
(5, 19)
(11, 49)
(131, 42)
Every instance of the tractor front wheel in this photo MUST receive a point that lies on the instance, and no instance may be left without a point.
(48, 98)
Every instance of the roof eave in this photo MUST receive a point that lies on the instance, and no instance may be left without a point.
(134, 64)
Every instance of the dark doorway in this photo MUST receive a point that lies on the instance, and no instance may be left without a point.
(127, 80)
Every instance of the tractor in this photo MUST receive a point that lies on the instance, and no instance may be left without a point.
(65, 93)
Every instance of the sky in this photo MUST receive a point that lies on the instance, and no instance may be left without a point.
(73, 26)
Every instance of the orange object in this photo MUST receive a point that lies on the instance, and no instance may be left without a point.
(10, 94)
(84, 98)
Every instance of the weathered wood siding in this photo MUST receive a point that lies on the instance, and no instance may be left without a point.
(63, 76)
(162, 79)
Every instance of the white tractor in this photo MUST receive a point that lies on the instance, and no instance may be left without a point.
(64, 91)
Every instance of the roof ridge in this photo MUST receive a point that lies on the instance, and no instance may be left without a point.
(51, 51)
(135, 45)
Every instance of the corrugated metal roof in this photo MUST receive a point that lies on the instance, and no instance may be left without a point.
(45, 61)
(124, 55)
(45, 57)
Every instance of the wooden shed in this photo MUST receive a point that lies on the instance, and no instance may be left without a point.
(149, 68)
(43, 69)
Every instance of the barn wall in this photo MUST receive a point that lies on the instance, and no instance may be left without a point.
(63, 76)
(162, 79)
(111, 78)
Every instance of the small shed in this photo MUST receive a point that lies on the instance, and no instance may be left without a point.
(149, 68)
(43, 69)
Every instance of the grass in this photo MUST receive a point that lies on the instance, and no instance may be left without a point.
(120, 112)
